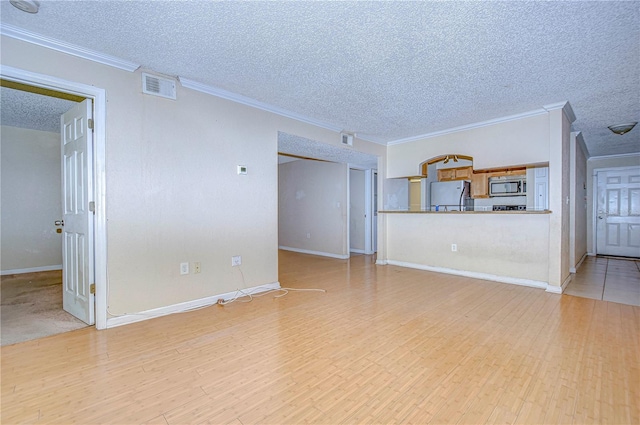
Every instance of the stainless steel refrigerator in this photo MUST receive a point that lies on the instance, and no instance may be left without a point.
(451, 196)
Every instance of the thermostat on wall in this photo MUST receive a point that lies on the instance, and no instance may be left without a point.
(242, 169)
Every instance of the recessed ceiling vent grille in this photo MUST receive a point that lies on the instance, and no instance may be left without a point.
(347, 139)
(158, 86)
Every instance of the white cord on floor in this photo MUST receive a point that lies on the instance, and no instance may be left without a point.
(243, 293)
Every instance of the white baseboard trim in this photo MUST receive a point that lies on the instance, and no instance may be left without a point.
(357, 251)
(575, 269)
(381, 262)
(129, 318)
(323, 254)
(31, 270)
(560, 289)
(475, 275)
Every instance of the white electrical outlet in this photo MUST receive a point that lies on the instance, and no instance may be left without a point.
(236, 260)
(308, 235)
(184, 268)
(454, 247)
(197, 268)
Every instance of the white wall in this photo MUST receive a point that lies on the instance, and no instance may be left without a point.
(173, 194)
(357, 210)
(593, 164)
(539, 139)
(31, 200)
(506, 245)
(512, 143)
(313, 206)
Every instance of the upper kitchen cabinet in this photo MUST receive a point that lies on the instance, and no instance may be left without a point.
(460, 173)
(480, 185)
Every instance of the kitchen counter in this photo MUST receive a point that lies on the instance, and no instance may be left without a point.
(463, 212)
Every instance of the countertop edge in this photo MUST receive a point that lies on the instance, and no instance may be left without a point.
(462, 212)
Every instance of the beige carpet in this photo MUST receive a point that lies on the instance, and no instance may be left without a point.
(31, 307)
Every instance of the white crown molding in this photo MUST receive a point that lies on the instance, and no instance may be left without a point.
(621, 155)
(244, 100)
(238, 98)
(566, 108)
(470, 126)
(71, 49)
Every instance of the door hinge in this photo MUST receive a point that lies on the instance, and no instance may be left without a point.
(91, 123)
(92, 207)
(92, 288)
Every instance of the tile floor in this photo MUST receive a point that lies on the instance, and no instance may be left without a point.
(607, 279)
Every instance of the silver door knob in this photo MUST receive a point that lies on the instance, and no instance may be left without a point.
(59, 222)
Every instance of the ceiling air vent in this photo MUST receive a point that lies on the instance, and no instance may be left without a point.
(158, 86)
(347, 139)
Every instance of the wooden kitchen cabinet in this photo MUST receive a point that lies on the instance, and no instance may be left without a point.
(480, 185)
(480, 180)
(448, 174)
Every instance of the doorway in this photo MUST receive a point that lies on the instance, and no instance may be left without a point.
(96, 162)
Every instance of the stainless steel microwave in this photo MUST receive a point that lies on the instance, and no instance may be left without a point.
(508, 186)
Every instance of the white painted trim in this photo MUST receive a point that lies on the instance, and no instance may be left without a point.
(347, 205)
(369, 211)
(99, 191)
(357, 251)
(469, 126)
(594, 200)
(381, 262)
(554, 289)
(31, 270)
(18, 33)
(621, 155)
(566, 108)
(575, 269)
(560, 289)
(244, 100)
(475, 275)
(322, 254)
(12, 31)
(184, 306)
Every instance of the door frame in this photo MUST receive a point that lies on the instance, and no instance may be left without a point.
(368, 207)
(594, 202)
(98, 191)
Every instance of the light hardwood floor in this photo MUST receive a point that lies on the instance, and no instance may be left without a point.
(382, 345)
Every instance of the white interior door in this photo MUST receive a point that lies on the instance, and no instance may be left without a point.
(618, 214)
(77, 243)
(375, 212)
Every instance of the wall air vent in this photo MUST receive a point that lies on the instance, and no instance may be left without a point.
(347, 138)
(158, 86)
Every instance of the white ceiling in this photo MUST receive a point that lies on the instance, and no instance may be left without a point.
(385, 70)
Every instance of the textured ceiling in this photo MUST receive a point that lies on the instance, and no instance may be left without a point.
(300, 146)
(30, 110)
(385, 70)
